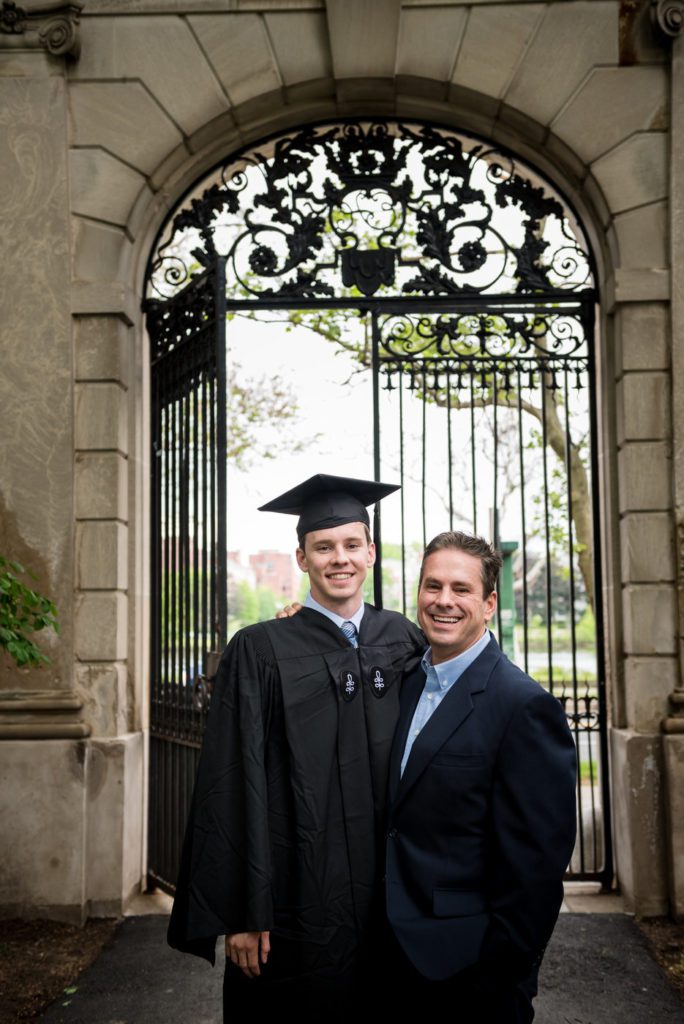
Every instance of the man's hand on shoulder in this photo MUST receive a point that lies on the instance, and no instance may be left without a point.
(289, 610)
(247, 950)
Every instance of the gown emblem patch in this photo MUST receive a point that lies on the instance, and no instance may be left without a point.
(378, 682)
(349, 685)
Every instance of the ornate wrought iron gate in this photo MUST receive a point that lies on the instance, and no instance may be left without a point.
(477, 286)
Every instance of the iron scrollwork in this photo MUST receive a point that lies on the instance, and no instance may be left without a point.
(477, 335)
(432, 351)
(376, 208)
(191, 312)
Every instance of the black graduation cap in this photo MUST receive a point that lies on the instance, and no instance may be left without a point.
(324, 501)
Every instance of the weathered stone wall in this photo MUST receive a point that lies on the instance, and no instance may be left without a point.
(164, 89)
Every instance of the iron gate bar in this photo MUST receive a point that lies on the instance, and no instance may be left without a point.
(526, 639)
(571, 560)
(375, 365)
(221, 624)
(473, 462)
(547, 540)
(449, 454)
(401, 493)
(496, 537)
(423, 455)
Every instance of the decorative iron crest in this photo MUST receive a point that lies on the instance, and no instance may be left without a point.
(376, 209)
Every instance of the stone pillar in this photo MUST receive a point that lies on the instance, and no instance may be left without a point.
(71, 762)
(670, 18)
(114, 784)
(43, 754)
(648, 602)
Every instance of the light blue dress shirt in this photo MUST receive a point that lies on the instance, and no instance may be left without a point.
(311, 602)
(440, 679)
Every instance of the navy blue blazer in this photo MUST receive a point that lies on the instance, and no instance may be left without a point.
(482, 824)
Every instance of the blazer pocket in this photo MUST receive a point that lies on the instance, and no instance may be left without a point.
(460, 760)
(457, 903)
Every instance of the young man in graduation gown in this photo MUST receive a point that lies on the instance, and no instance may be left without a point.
(481, 823)
(282, 853)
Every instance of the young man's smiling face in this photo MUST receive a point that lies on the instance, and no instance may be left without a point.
(452, 608)
(337, 561)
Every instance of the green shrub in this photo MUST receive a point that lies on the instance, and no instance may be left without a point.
(22, 611)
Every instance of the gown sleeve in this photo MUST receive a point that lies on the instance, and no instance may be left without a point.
(224, 883)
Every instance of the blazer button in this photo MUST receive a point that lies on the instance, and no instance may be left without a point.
(392, 834)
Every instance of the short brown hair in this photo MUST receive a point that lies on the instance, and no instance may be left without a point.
(490, 559)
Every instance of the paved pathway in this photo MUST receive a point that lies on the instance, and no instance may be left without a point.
(597, 970)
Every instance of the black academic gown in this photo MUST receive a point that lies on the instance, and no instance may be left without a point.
(284, 829)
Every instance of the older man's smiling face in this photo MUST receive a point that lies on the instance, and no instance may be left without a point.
(452, 608)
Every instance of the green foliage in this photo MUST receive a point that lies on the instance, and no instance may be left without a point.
(561, 637)
(266, 603)
(22, 611)
(589, 773)
(246, 604)
(585, 630)
(303, 587)
(560, 597)
(252, 605)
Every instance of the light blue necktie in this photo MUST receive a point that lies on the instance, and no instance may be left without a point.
(349, 630)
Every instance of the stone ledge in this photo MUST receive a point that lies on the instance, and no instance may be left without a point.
(42, 714)
(38, 731)
(105, 298)
(648, 285)
(40, 700)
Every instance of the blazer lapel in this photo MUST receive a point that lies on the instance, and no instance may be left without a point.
(449, 716)
(411, 689)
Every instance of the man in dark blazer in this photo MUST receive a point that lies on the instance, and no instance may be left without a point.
(481, 805)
